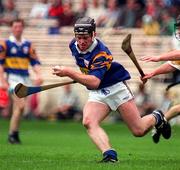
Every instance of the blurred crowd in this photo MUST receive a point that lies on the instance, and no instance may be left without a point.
(154, 16)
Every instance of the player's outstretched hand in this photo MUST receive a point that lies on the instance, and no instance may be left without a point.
(61, 71)
(150, 58)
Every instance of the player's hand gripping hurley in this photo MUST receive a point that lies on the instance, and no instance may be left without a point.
(126, 47)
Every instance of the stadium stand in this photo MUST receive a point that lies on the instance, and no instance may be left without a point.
(53, 50)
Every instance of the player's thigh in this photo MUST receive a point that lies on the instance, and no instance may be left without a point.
(95, 111)
(130, 114)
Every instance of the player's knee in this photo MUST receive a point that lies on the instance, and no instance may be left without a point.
(19, 104)
(138, 132)
(19, 107)
(87, 123)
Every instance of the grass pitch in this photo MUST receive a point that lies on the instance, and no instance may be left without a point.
(66, 146)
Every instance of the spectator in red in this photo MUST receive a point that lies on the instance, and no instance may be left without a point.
(56, 9)
(150, 7)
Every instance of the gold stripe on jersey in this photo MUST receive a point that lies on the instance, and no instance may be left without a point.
(107, 63)
(16, 63)
(84, 70)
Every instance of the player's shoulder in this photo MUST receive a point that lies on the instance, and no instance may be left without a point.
(26, 41)
(102, 47)
(3, 40)
(101, 44)
(72, 43)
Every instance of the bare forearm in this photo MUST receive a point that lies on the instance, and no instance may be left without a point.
(89, 81)
(172, 55)
(37, 70)
(2, 78)
(3, 81)
(38, 76)
(163, 69)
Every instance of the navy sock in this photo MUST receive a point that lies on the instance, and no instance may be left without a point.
(111, 153)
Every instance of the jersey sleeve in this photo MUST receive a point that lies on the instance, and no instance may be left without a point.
(100, 64)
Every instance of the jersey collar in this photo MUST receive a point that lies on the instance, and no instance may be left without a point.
(90, 49)
(12, 38)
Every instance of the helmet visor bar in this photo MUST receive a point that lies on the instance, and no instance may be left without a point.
(83, 29)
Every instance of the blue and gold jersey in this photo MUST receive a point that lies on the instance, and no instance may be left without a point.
(99, 62)
(16, 57)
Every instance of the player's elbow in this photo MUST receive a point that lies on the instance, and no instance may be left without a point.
(94, 84)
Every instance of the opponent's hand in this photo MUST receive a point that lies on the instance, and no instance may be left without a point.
(146, 77)
(143, 80)
(150, 58)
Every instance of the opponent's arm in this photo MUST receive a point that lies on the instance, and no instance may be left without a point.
(172, 55)
(163, 69)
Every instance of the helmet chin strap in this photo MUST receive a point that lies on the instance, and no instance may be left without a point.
(93, 35)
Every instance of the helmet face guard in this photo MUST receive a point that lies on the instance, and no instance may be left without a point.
(177, 28)
(83, 29)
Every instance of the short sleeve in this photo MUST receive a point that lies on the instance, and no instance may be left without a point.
(100, 64)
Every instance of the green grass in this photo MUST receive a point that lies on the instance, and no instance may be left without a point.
(66, 146)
